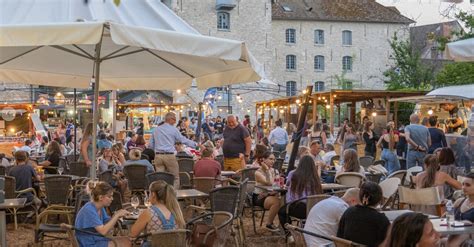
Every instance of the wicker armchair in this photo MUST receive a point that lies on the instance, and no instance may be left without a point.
(107, 176)
(165, 176)
(366, 161)
(185, 180)
(170, 238)
(78, 169)
(353, 179)
(71, 231)
(297, 235)
(136, 176)
(11, 193)
(186, 165)
(58, 190)
(220, 220)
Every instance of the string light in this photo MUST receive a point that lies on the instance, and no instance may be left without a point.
(305, 91)
(298, 101)
(328, 106)
(178, 91)
(374, 114)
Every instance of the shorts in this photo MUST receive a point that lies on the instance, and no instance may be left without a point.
(232, 164)
(258, 201)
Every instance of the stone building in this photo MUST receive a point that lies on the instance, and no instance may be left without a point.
(325, 43)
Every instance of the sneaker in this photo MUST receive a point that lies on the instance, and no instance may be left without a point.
(272, 228)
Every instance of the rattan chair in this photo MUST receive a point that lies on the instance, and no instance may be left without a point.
(71, 231)
(220, 220)
(107, 176)
(278, 165)
(186, 165)
(136, 176)
(3, 171)
(352, 179)
(78, 169)
(297, 235)
(12, 193)
(366, 161)
(170, 238)
(185, 180)
(243, 195)
(58, 190)
(155, 176)
(310, 202)
(205, 184)
(340, 242)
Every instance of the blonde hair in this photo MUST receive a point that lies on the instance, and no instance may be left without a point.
(135, 154)
(165, 193)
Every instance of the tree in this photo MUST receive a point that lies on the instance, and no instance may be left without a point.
(460, 73)
(408, 72)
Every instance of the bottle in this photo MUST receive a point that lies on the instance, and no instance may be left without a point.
(276, 181)
(449, 213)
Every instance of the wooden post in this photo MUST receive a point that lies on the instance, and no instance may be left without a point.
(387, 109)
(331, 112)
(315, 104)
(277, 113)
(199, 127)
(339, 115)
(288, 116)
(395, 114)
(353, 112)
(301, 120)
(269, 125)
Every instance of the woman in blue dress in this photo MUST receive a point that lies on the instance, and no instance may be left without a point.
(93, 218)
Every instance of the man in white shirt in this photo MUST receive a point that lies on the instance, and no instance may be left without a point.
(27, 147)
(315, 151)
(330, 152)
(323, 219)
(278, 137)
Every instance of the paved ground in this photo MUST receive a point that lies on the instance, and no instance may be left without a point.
(24, 236)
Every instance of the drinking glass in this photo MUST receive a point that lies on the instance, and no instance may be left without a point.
(147, 202)
(135, 202)
(60, 170)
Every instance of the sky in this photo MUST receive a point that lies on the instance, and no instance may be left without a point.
(429, 11)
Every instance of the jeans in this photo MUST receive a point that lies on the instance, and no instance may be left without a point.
(279, 147)
(391, 160)
(413, 157)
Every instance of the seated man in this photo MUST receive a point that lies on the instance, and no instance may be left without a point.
(207, 166)
(330, 152)
(24, 175)
(27, 146)
(135, 158)
(323, 219)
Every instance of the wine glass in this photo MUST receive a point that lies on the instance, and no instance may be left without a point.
(147, 201)
(60, 170)
(135, 202)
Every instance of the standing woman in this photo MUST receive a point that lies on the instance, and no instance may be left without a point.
(350, 138)
(318, 134)
(301, 182)
(370, 139)
(388, 142)
(93, 218)
(86, 145)
(164, 213)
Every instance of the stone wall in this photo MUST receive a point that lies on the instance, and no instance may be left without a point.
(14, 93)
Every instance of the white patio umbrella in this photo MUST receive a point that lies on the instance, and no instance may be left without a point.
(138, 45)
(461, 51)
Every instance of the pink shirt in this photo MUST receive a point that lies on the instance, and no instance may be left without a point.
(207, 168)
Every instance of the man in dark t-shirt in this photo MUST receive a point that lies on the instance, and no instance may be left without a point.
(438, 139)
(24, 175)
(237, 142)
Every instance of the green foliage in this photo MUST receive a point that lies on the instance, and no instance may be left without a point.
(405, 109)
(460, 73)
(343, 82)
(411, 73)
(467, 20)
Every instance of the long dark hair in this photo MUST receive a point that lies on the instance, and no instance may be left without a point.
(431, 166)
(446, 157)
(407, 229)
(306, 177)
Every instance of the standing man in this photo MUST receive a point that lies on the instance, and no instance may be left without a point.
(237, 141)
(219, 127)
(418, 139)
(278, 138)
(141, 126)
(208, 127)
(162, 142)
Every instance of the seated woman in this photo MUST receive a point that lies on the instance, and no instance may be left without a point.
(301, 182)
(433, 177)
(363, 224)
(118, 152)
(464, 208)
(92, 217)
(413, 229)
(447, 164)
(107, 161)
(52, 157)
(164, 213)
(265, 176)
(135, 158)
(140, 142)
(351, 163)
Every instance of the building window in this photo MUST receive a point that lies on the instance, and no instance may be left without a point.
(290, 88)
(319, 63)
(223, 20)
(290, 35)
(319, 86)
(319, 37)
(346, 37)
(347, 63)
(290, 62)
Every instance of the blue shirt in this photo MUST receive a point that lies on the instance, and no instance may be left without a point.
(278, 136)
(87, 219)
(419, 134)
(146, 163)
(165, 136)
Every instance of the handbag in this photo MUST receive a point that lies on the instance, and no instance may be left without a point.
(198, 237)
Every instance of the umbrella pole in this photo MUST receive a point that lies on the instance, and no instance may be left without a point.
(199, 129)
(95, 111)
(75, 124)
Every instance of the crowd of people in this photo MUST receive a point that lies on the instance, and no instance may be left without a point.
(353, 216)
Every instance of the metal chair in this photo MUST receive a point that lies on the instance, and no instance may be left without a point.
(379, 162)
(282, 155)
(426, 200)
(71, 231)
(278, 165)
(310, 202)
(155, 176)
(401, 174)
(340, 242)
(221, 221)
(205, 184)
(297, 235)
(136, 176)
(366, 161)
(185, 180)
(107, 176)
(389, 189)
(313, 200)
(353, 179)
(12, 193)
(3, 171)
(374, 177)
(186, 165)
(58, 190)
(410, 173)
(78, 169)
(170, 238)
